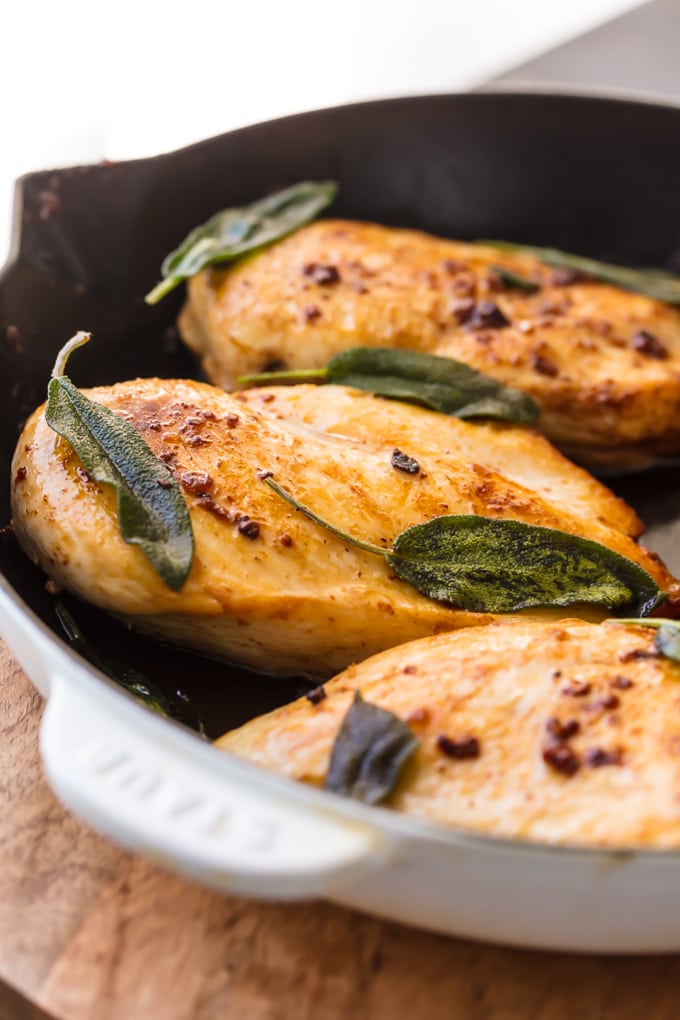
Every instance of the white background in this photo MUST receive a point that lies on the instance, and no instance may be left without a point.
(81, 81)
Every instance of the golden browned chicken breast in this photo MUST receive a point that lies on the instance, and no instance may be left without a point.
(564, 733)
(268, 587)
(603, 364)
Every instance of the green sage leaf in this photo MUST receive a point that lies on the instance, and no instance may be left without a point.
(501, 566)
(152, 513)
(440, 384)
(369, 753)
(653, 283)
(514, 281)
(234, 232)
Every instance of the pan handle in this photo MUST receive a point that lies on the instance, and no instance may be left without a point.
(158, 790)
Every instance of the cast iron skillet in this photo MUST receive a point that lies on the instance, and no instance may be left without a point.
(597, 176)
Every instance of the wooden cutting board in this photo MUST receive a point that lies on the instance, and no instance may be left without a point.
(90, 933)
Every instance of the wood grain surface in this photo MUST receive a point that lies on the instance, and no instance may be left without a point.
(90, 933)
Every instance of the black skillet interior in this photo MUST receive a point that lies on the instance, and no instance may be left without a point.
(592, 175)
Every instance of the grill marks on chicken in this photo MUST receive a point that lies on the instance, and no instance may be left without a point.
(603, 364)
(565, 733)
(268, 587)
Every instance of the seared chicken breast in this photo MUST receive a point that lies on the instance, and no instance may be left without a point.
(268, 587)
(603, 364)
(565, 733)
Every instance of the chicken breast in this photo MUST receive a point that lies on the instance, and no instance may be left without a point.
(564, 733)
(603, 364)
(268, 587)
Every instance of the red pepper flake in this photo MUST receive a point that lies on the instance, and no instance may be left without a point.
(452, 266)
(267, 398)
(402, 462)
(638, 653)
(323, 275)
(409, 670)
(488, 315)
(463, 309)
(544, 366)
(418, 715)
(649, 344)
(13, 337)
(622, 683)
(248, 528)
(460, 748)
(196, 481)
(561, 758)
(20, 475)
(577, 689)
(231, 420)
(311, 313)
(209, 504)
(596, 757)
(286, 540)
(359, 288)
(610, 701)
(316, 695)
(562, 729)
(164, 483)
(198, 441)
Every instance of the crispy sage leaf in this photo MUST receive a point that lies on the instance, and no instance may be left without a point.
(501, 566)
(152, 513)
(234, 232)
(440, 384)
(369, 752)
(654, 283)
(514, 281)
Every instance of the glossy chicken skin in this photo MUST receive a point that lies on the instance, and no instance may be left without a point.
(564, 733)
(603, 364)
(268, 587)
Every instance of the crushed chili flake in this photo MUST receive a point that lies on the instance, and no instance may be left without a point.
(248, 528)
(410, 670)
(462, 309)
(596, 757)
(286, 540)
(316, 695)
(577, 689)
(418, 715)
(164, 483)
(610, 701)
(231, 420)
(647, 343)
(544, 366)
(402, 462)
(562, 729)
(196, 481)
(324, 275)
(311, 313)
(561, 758)
(622, 683)
(488, 315)
(20, 475)
(564, 277)
(460, 748)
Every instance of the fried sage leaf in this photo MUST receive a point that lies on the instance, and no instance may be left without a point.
(514, 280)
(234, 232)
(667, 637)
(501, 566)
(369, 753)
(653, 283)
(440, 384)
(152, 513)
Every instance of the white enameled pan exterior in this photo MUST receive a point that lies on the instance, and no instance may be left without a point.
(155, 788)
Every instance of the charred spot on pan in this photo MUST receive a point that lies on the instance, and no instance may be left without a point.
(459, 747)
(323, 275)
(402, 462)
(648, 344)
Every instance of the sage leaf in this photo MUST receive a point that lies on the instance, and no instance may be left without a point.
(501, 566)
(486, 565)
(234, 232)
(152, 513)
(440, 384)
(514, 281)
(369, 753)
(653, 283)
